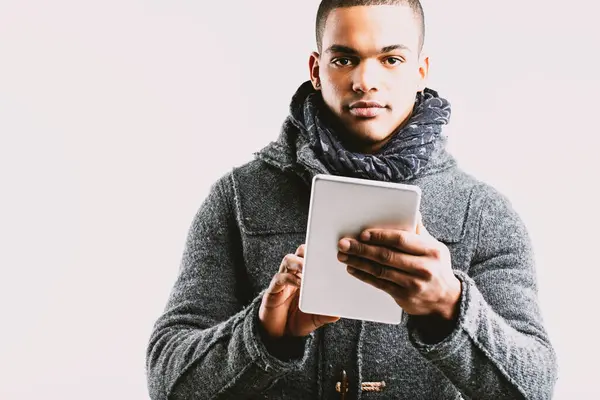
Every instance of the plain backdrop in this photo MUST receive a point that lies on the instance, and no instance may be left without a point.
(117, 116)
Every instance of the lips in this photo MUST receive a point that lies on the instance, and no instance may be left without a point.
(366, 109)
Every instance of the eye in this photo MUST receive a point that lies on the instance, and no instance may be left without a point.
(393, 61)
(342, 62)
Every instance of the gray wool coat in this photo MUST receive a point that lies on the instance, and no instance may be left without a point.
(207, 344)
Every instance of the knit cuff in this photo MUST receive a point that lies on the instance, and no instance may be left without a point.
(468, 314)
(279, 361)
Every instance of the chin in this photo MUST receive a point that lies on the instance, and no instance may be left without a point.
(366, 133)
(364, 140)
(373, 133)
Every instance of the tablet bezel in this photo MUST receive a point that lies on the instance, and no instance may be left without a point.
(356, 300)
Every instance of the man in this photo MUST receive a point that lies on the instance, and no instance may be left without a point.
(465, 278)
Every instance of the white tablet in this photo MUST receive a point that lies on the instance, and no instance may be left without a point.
(339, 207)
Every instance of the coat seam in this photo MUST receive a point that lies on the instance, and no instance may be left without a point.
(472, 335)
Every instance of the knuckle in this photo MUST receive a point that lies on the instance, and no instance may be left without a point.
(277, 279)
(400, 239)
(426, 275)
(373, 269)
(435, 252)
(377, 236)
(286, 263)
(288, 279)
(413, 303)
(283, 276)
(421, 268)
(316, 320)
(386, 256)
(356, 246)
(416, 285)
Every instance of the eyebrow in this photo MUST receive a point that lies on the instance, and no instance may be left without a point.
(337, 48)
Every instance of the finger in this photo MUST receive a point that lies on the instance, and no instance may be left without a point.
(390, 288)
(419, 223)
(300, 250)
(320, 320)
(407, 242)
(281, 280)
(384, 255)
(381, 272)
(291, 263)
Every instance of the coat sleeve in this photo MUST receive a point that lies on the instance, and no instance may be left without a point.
(207, 342)
(499, 348)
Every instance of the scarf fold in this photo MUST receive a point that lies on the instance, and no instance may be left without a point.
(401, 159)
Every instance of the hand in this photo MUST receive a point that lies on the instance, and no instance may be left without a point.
(279, 312)
(414, 268)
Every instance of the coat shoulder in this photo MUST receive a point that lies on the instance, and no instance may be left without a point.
(451, 203)
(269, 200)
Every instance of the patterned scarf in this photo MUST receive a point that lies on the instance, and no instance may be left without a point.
(399, 160)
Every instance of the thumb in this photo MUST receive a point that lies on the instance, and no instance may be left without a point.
(320, 320)
(421, 230)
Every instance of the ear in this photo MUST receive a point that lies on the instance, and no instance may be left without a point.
(313, 66)
(423, 71)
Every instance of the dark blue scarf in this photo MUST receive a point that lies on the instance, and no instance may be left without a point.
(399, 160)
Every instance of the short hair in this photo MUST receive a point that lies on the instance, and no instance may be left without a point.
(327, 6)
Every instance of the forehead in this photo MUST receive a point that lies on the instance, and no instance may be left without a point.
(372, 26)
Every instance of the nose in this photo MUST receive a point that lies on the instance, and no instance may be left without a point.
(366, 76)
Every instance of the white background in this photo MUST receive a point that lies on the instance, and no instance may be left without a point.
(117, 116)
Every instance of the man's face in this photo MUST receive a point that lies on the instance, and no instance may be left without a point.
(370, 70)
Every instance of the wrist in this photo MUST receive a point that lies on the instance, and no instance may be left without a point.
(436, 326)
(285, 348)
(450, 305)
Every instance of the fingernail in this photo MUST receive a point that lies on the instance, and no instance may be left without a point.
(342, 257)
(344, 244)
(366, 236)
(351, 270)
